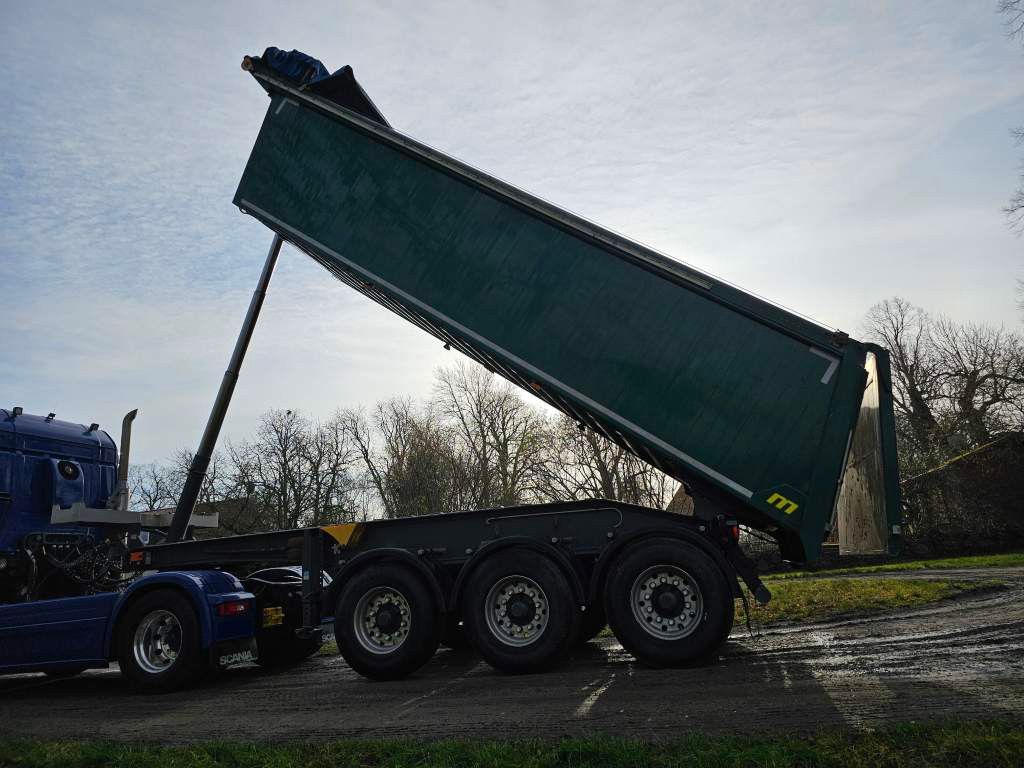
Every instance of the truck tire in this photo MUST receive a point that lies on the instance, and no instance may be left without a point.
(282, 648)
(519, 612)
(387, 623)
(159, 644)
(668, 603)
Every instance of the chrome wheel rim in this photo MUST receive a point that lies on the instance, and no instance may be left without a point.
(157, 641)
(382, 620)
(517, 610)
(667, 602)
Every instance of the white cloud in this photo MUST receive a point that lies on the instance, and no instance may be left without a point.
(823, 157)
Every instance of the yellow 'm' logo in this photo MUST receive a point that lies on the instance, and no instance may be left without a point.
(779, 501)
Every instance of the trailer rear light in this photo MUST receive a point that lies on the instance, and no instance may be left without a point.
(734, 531)
(135, 557)
(236, 608)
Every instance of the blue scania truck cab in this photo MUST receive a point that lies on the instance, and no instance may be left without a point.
(67, 600)
(45, 462)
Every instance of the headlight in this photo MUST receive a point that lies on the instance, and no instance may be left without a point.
(68, 470)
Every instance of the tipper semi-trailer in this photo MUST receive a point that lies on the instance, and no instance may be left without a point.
(751, 407)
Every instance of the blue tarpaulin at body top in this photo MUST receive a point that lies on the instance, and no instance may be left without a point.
(311, 75)
(295, 65)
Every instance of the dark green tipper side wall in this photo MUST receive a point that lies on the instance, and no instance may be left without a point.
(759, 406)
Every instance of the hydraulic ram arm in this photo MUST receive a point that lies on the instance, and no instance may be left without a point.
(201, 459)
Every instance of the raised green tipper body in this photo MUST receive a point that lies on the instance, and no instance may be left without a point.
(746, 402)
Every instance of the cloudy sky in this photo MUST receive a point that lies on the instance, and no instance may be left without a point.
(824, 155)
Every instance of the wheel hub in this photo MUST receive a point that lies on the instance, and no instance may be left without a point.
(516, 610)
(389, 618)
(382, 620)
(521, 609)
(667, 602)
(157, 641)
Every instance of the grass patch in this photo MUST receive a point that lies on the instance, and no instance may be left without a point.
(806, 600)
(996, 744)
(328, 649)
(1004, 560)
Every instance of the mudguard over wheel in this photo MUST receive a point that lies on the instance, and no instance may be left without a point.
(159, 646)
(519, 612)
(668, 602)
(387, 623)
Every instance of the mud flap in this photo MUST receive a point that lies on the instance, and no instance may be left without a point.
(227, 653)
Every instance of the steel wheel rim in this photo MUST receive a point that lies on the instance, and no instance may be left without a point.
(373, 615)
(508, 595)
(666, 602)
(157, 641)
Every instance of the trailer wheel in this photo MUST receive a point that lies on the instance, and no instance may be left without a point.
(158, 645)
(668, 603)
(519, 611)
(387, 623)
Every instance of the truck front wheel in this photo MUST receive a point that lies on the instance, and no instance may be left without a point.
(668, 603)
(159, 646)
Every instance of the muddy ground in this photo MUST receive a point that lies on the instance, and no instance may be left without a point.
(962, 659)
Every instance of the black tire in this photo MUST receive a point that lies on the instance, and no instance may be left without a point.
(282, 648)
(592, 622)
(691, 607)
(542, 642)
(420, 636)
(141, 620)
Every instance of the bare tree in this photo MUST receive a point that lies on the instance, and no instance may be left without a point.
(1013, 13)
(955, 386)
(297, 472)
(498, 432)
(411, 459)
(151, 487)
(983, 378)
(906, 331)
(330, 457)
(1013, 10)
(219, 483)
(580, 464)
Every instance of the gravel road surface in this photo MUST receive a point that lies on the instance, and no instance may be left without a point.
(963, 658)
